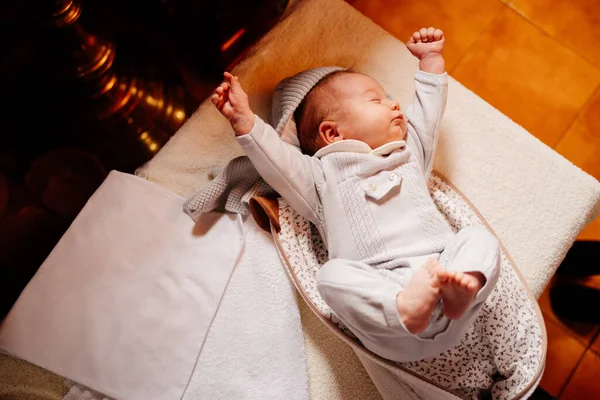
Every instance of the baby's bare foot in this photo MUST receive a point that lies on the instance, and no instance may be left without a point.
(458, 292)
(416, 302)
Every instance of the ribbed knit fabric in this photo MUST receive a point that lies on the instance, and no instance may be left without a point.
(290, 92)
(233, 188)
(230, 191)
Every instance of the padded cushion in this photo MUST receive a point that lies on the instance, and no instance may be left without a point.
(503, 352)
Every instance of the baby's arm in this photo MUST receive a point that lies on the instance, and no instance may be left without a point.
(431, 87)
(292, 174)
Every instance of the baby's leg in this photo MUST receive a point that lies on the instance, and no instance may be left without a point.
(375, 308)
(417, 301)
(472, 259)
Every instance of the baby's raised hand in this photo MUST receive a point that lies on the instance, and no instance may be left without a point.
(231, 100)
(427, 45)
(426, 42)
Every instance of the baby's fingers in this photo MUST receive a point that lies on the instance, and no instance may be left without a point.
(430, 32)
(423, 34)
(228, 76)
(220, 95)
(223, 88)
(438, 34)
(234, 81)
(216, 100)
(415, 38)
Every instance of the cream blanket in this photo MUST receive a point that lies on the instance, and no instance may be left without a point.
(535, 200)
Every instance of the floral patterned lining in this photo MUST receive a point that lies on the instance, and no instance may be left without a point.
(501, 354)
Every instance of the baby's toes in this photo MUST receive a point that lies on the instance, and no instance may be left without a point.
(429, 265)
(458, 280)
(472, 285)
(450, 277)
(443, 275)
(434, 282)
(467, 283)
(440, 272)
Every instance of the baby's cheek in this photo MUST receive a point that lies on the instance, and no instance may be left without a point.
(404, 130)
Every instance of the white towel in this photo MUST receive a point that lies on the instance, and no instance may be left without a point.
(138, 302)
(254, 349)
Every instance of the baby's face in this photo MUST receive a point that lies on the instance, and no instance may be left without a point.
(366, 114)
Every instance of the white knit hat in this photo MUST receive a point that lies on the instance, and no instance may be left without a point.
(288, 95)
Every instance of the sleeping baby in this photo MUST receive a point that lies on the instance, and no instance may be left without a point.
(398, 277)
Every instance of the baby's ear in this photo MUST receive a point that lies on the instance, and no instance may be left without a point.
(329, 133)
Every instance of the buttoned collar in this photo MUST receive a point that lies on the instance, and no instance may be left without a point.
(356, 146)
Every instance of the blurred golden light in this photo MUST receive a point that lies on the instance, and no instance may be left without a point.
(233, 39)
(151, 100)
(110, 84)
(179, 114)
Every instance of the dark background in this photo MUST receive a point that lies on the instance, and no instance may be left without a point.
(48, 140)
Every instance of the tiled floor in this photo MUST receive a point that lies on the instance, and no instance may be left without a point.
(537, 61)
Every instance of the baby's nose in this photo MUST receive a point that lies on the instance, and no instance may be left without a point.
(395, 105)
